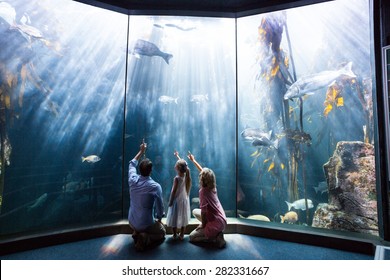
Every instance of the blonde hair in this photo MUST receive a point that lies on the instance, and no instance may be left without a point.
(207, 178)
(182, 166)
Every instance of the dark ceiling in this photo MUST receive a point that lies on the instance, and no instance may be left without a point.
(226, 8)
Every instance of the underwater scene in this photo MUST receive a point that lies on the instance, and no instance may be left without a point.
(279, 105)
(181, 96)
(306, 148)
(62, 84)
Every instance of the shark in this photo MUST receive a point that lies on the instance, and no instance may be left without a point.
(307, 85)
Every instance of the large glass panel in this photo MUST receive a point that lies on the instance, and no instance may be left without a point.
(181, 96)
(62, 85)
(305, 117)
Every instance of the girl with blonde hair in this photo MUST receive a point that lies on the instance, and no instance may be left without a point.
(211, 214)
(179, 206)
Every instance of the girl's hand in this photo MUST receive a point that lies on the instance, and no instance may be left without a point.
(190, 156)
(176, 154)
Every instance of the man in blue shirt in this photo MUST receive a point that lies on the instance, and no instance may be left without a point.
(146, 202)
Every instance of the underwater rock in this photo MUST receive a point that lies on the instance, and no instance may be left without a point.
(352, 203)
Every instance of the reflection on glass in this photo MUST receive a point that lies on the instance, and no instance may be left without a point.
(62, 68)
(305, 118)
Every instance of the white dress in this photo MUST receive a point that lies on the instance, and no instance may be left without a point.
(179, 213)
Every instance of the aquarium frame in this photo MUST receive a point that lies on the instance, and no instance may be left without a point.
(220, 8)
(386, 81)
(239, 226)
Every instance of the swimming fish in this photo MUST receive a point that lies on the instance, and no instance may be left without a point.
(143, 47)
(167, 99)
(300, 204)
(308, 84)
(199, 98)
(251, 134)
(259, 218)
(322, 187)
(255, 217)
(91, 158)
(290, 217)
(264, 141)
(38, 202)
(29, 30)
(179, 27)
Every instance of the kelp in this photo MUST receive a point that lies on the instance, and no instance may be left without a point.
(16, 72)
(275, 64)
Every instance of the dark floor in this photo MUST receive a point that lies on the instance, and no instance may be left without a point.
(239, 247)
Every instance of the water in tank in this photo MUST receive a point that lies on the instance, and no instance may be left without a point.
(280, 105)
(306, 145)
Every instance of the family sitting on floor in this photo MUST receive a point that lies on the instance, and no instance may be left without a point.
(146, 199)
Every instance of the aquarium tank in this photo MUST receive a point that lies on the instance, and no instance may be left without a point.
(280, 105)
(306, 145)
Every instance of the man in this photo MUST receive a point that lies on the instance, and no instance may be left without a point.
(146, 201)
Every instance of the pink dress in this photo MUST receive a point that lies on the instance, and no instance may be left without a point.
(216, 218)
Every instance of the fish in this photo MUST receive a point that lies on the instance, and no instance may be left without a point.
(264, 141)
(322, 187)
(147, 48)
(29, 30)
(259, 218)
(308, 84)
(91, 158)
(290, 217)
(158, 26)
(179, 27)
(52, 107)
(199, 98)
(167, 99)
(251, 134)
(38, 202)
(300, 204)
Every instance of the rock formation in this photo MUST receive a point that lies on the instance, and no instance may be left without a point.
(352, 202)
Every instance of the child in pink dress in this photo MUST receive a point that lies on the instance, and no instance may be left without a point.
(211, 214)
(179, 207)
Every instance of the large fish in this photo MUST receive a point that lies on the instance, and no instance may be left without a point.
(266, 142)
(143, 47)
(308, 84)
(300, 204)
(251, 134)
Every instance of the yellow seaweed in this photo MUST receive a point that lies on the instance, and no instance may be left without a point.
(23, 75)
(271, 166)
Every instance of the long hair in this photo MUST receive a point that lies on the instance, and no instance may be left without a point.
(182, 166)
(207, 178)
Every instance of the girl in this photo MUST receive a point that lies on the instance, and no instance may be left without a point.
(179, 206)
(211, 214)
